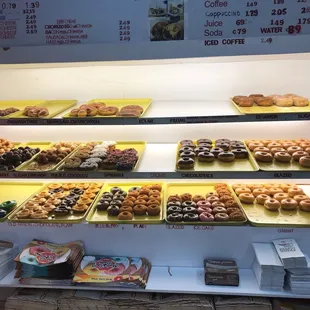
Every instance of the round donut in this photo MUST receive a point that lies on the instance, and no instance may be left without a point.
(40, 214)
(273, 145)
(260, 199)
(264, 101)
(299, 154)
(232, 210)
(108, 111)
(261, 149)
(175, 217)
(283, 157)
(217, 204)
(189, 210)
(305, 145)
(289, 204)
(305, 205)
(295, 190)
(300, 141)
(128, 203)
(191, 217)
(286, 187)
(246, 198)
(300, 198)
(292, 149)
(125, 216)
(186, 163)
(189, 154)
(283, 101)
(242, 190)
(263, 156)
(186, 197)
(226, 156)
(221, 217)
(219, 210)
(300, 101)
(23, 214)
(216, 151)
(287, 145)
(272, 204)
(141, 210)
(253, 145)
(126, 208)
(260, 191)
(203, 203)
(275, 150)
(231, 204)
(275, 190)
(153, 210)
(204, 209)
(305, 161)
(212, 199)
(206, 217)
(281, 196)
(197, 198)
(206, 156)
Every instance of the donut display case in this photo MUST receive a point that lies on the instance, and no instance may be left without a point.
(176, 160)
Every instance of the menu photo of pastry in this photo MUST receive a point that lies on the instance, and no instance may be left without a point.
(166, 18)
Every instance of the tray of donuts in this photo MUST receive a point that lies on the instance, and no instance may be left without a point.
(218, 155)
(260, 104)
(202, 204)
(275, 204)
(58, 203)
(128, 203)
(279, 155)
(111, 108)
(50, 157)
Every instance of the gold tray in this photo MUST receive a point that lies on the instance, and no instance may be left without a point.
(69, 218)
(25, 165)
(99, 217)
(121, 145)
(19, 191)
(18, 104)
(197, 189)
(54, 107)
(258, 215)
(256, 109)
(119, 103)
(247, 164)
(277, 166)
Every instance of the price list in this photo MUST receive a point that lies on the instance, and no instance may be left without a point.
(192, 27)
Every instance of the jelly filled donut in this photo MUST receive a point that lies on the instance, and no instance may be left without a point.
(206, 217)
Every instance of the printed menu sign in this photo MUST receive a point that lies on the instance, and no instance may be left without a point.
(209, 25)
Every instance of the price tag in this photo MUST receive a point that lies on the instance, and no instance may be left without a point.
(108, 226)
(209, 228)
(50, 225)
(175, 227)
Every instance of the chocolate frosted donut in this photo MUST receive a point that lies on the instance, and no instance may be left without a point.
(224, 146)
(205, 141)
(113, 210)
(186, 149)
(102, 206)
(189, 154)
(189, 210)
(175, 217)
(191, 217)
(226, 157)
(222, 141)
(206, 157)
(187, 143)
(188, 204)
(186, 163)
(240, 153)
(121, 193)
(216, 151)
(116, 203)
(174, 209)
(118, 197)
(114, 190)
(200, 149)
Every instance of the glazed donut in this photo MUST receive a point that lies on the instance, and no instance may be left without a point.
(280, 196)
(283, 157)
(133, 194)
(80, 208)
(289, 204)
(154, 192)
(206, 157)
(305, 161)
(245, 101)
(275, 190)
(175, 217)
(264, 101)
(305, 205)
(300, 198)
(141, 210)
(23, 214)
(126, 208)
(273, 145)
(234, 186)
(206, 217)
(217, 204)
(286, 187)
(221, 217)
(300, 101)
(203, 203)
(292, 149)
(260, 199)
(242, 190)
(283, 101)
(226, 156)
(55, 202)
(89, 201)
(125, 216)
(188, 204)
(275, 150)
(68, 186)
(203, 210)
(261, 149)
(293, 191)
(286, 145)
(246, 198)
(186, 197)
(54, 186)
(191, 217)
(153, 210)
(186, 163)
(173, 209)
(256, 96)
(305, 145)
(198, 198)
(300, 141)
(212, 199)
(260, 191)
(144, 191)
(254, 145)
(219, 210)
(263, 156)
(252, 187)
(272, 204)
(297, 155)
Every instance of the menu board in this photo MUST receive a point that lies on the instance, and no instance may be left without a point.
(160, 28)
